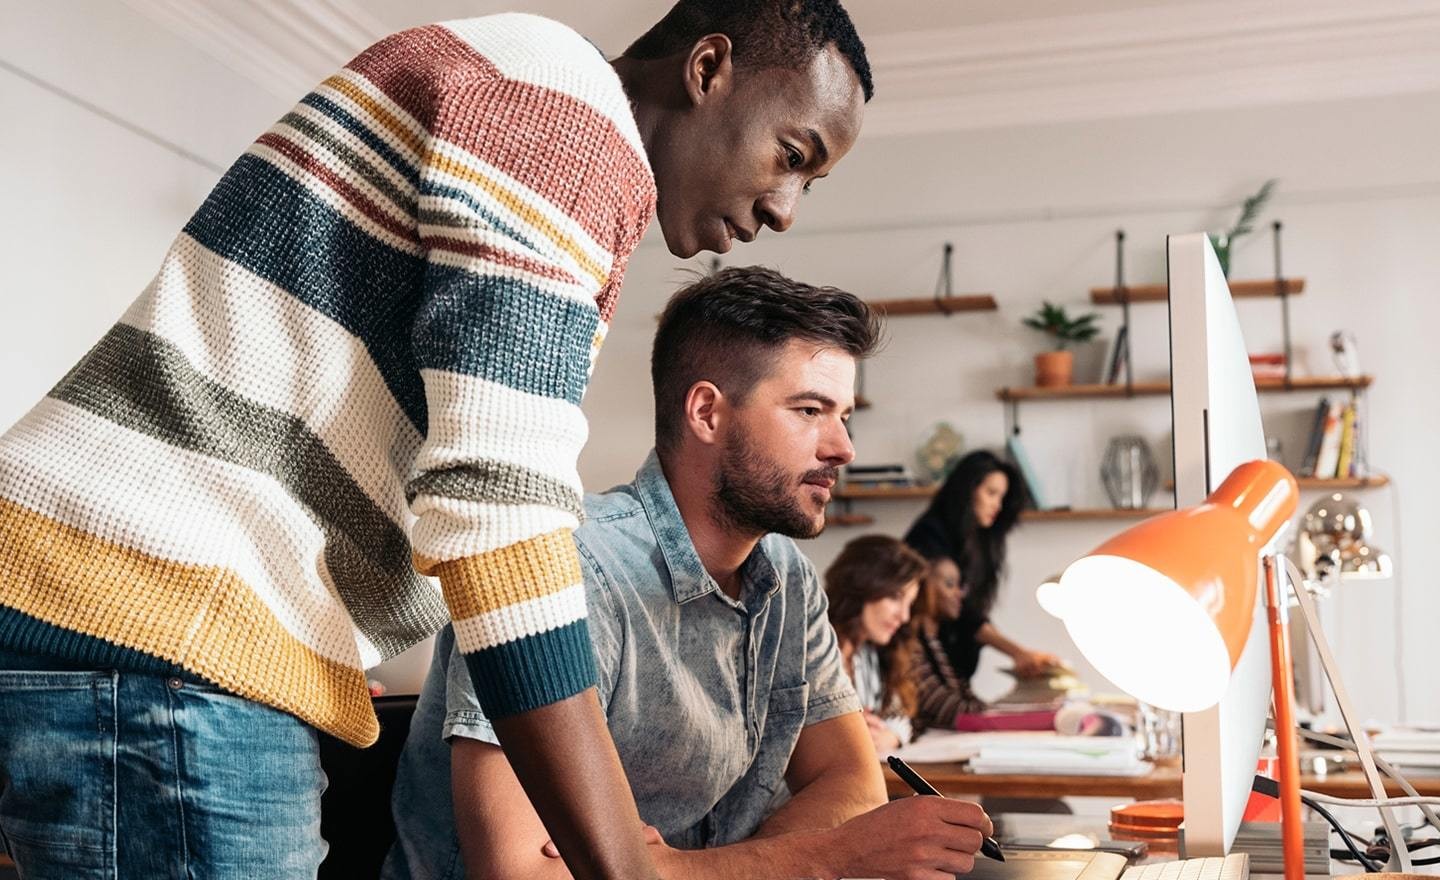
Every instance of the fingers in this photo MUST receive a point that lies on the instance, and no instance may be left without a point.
(966, 814)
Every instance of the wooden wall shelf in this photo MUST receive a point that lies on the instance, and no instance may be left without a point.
(1327, 483)
(1299, 383)
(1109, 296)
(965, 302)
(881, 493)
(912, 493)
(1089, 513)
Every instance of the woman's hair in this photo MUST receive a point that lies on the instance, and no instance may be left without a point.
(978, 552)
(870, 568)
(927, 601)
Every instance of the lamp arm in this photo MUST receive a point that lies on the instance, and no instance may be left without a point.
(1399, 855)
(1287, 754)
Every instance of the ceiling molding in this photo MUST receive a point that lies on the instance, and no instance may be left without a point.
(1175, 57)
(1150, 60)
(284, 46)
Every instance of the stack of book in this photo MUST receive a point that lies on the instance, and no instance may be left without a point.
(1334, 449)
(879, 476)
(1061, 755)
(1049, 689)
(1262, 841)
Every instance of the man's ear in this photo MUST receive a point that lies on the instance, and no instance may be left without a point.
(705, 412)
(708, 69)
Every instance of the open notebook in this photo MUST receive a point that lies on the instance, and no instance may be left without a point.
(1086, 865)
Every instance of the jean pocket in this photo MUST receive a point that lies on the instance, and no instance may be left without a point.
(57, 767)
(784, 719)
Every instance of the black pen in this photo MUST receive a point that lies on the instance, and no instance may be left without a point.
(988, 846)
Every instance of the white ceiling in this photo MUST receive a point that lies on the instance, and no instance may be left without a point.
(940, 65)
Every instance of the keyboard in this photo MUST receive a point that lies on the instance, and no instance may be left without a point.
(1235, 866)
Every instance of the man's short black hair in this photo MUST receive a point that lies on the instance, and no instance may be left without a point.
(729, 328)
(763, 33)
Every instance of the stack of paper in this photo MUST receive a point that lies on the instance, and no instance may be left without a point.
(1408, 747)
(1063, 756)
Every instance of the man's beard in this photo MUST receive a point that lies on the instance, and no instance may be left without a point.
(756, 496)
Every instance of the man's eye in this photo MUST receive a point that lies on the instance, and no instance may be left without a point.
(810, 411)
(793, 157)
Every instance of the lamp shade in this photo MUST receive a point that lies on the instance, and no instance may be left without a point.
(1165, 608)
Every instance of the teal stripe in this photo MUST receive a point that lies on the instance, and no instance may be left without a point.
(533, 671)
(143, 382)
(24, 634)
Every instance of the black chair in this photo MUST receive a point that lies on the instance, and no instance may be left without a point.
(355, 812)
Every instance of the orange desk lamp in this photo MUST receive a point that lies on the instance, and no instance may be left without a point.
(1164, 609)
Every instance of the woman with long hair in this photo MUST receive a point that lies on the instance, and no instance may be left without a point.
(871, 586)
(968, 522)
(940, 693)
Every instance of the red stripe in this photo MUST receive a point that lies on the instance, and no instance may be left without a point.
(554, 144)
(340, 185)
(498, 256)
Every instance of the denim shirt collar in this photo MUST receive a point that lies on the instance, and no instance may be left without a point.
(688, 578)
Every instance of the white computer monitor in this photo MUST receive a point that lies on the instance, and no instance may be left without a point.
(1216, 428)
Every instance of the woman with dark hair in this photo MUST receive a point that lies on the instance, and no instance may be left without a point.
(940, 693)
(871, 586)
(968, 521)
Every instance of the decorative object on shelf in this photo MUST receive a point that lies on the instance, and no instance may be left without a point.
(1343, 347)
(1223, 241)
(1057, 367)
(938, 454)
(1017, 453)
(1270, 365)
(1128, 472)
(1333, 543)
(1118, 355)
(878, 476)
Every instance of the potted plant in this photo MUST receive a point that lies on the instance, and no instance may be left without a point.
(1058, 366)
(1222, 242)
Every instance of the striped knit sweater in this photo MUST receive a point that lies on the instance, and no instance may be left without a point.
(360, 363)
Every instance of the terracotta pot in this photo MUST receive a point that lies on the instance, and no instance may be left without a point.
(1054, 368)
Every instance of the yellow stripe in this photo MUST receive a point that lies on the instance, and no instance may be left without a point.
(520, 208)
(201, 617)
(380, 114)
(530, 569)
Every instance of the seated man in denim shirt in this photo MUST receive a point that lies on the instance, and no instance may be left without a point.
(717, 667)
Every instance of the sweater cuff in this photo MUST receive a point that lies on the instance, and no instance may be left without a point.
(533, 671)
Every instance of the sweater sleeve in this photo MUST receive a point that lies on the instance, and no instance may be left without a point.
(941, 694)
(520, 266)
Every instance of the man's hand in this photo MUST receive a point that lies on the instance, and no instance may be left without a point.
(916, 838)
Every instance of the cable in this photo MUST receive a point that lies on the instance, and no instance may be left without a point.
(1371, 802)
(1269, 787)
(1384, 767)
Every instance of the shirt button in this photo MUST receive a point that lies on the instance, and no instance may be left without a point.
(174, 683)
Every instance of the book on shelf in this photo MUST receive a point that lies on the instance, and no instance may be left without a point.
(878, 476)
(1317, 433)
(1329, 456)
(1117, 356)
(1347, 441)
(1027, 471)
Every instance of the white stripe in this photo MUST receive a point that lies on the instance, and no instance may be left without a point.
(450, 528)
(549, 54)
(383, 102)
(138, 492)
(528, 618)
(327, 194)
(403, 212)
(252, 344)
(473, 418)
(559, 221)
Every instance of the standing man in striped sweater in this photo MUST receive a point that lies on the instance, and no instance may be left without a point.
(361, 363)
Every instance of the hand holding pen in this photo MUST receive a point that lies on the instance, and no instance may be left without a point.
(988, 846)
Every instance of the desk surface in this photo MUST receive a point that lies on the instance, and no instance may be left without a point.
(953, 779)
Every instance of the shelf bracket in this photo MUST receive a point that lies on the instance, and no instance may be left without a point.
(945, 284)
(1123, 295)
(1282, 291)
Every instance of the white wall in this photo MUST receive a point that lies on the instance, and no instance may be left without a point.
(1032, 212)
(90, 207)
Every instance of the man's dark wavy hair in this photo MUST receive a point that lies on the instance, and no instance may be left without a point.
(729, 328)
(763, 33)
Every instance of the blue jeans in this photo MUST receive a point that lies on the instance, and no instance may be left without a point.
(129, 776)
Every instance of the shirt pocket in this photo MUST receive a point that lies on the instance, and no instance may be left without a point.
(784, 719)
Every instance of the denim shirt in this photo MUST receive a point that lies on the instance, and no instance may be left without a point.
(705, 696)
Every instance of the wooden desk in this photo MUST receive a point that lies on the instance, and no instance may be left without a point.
(953, 779)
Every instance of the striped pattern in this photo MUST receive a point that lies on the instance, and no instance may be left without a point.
(360, 363)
